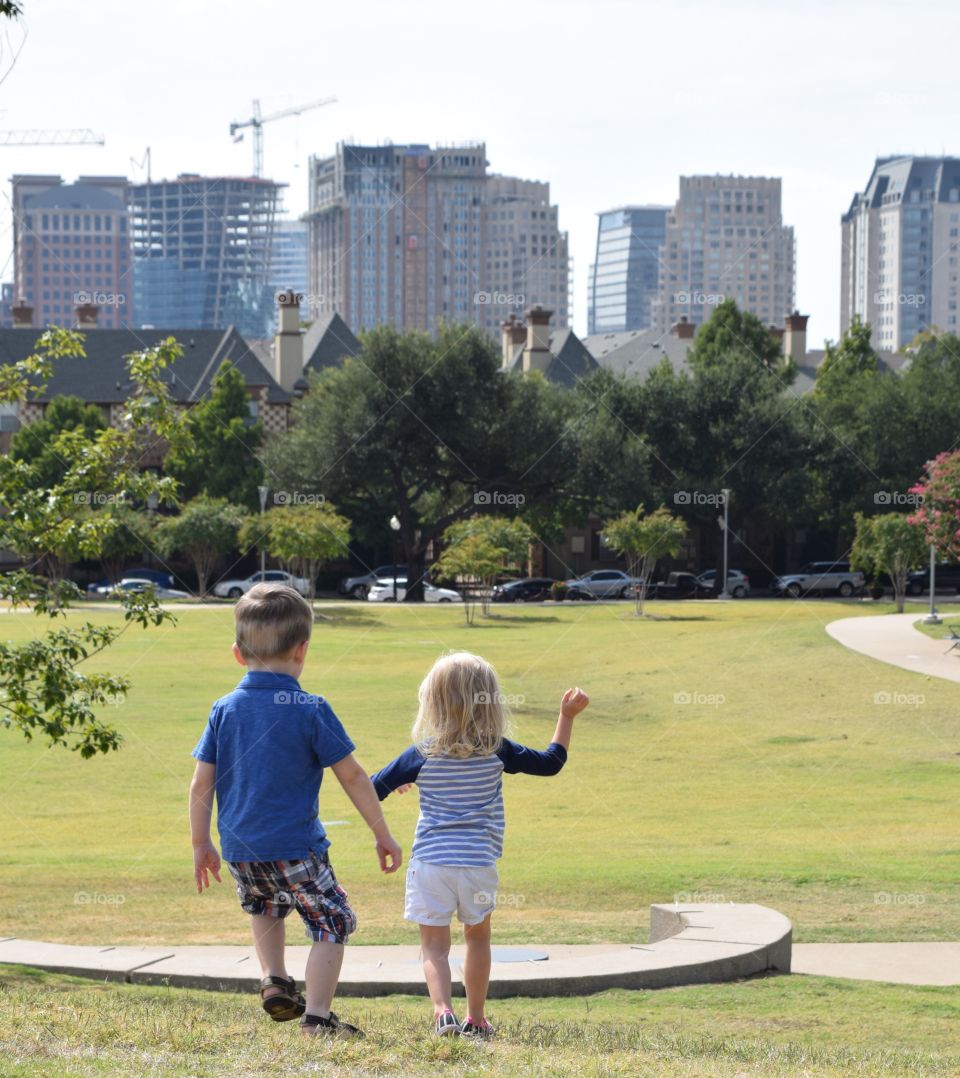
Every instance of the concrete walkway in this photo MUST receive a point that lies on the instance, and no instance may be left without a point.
(892, 638)
(688, 945)
(896, 963)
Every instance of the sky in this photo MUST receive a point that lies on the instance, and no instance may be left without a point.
(610, 101)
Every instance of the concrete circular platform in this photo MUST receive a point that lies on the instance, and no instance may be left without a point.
(689, 944)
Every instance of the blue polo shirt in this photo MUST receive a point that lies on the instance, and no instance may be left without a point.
(270, 742)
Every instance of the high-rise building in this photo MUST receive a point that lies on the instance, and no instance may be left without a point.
(526, 256)
(725, 239)
(202, 249)
(625, 276)
(409, 236)
(71, 247)
(900, 254)
(288, 256)
(395, 234)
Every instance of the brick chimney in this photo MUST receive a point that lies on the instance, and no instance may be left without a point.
(536, 352)
(86, 315)
(795, 337)
(683, 329)
(288, 343)
(22, 315)
(512, 333)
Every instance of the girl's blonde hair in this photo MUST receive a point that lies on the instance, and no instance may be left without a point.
(462, 711)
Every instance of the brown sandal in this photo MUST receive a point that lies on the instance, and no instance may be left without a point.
(285, 1005)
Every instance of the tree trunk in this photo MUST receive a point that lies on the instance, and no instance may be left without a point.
(416, 558)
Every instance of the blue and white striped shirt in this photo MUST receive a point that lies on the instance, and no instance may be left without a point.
(461, 800)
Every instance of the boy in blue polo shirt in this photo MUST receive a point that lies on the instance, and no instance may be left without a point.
(263, 753)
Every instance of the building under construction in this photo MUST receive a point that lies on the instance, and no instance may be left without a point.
(201, 249)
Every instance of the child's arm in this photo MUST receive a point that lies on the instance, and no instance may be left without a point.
(359, 789)
(518, 759)
(205, 856)
(399, 775)
(573, 702)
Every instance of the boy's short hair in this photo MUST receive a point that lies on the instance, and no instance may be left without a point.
(271, 620)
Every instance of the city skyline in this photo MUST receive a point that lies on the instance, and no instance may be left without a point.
(819, 130)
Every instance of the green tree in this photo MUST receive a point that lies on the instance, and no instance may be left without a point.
(424, 428)
(204, 530)
(888, 544)
(477, 549)
(473, 558)
(44, 689)
(223, 458)
(303, 537)
(134, 533)
(36, 443)
(644, 538)
(730, 331)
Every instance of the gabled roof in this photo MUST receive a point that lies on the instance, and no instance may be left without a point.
(569, 360)
(102, 376)
(327, 342)
(637, 352)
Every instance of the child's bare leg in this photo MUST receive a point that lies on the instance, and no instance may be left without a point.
(435, 945)
(323, 973)
(476, 967)
(269, 939)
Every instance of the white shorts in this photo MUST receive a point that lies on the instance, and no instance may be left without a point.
(436, 892)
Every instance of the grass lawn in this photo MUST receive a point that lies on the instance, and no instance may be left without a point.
(940, 632)
(732, 752)
(54, 1025)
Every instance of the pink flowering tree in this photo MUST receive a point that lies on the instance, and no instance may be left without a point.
(938, 504)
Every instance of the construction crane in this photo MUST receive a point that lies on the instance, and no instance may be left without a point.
(51, 137)
(257, 121)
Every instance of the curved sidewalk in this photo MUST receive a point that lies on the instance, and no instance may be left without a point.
(892, 638)
(689, 944)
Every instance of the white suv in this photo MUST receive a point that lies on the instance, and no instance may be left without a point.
(820, 576)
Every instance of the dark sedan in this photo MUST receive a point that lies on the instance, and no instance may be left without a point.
(532, 589)
(682, 586)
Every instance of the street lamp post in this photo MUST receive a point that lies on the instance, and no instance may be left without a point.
(395, 527)
(932, 618)
(263, 491)
(725, 525)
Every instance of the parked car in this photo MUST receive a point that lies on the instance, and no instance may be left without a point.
(738, 583)
(603, 584)
(820, 576)
(531, 589)
(158, 576)
(108, 590)
(233, 589)
(946, 578)
(682, 586)
(383, 591)
(358, 586)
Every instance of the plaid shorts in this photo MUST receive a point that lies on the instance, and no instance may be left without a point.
(274, 888)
